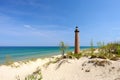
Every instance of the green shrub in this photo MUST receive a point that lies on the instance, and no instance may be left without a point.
(110, 51)
(73, 55)
(63, 47)
(69, 54)
(112, 48)
(118, 50)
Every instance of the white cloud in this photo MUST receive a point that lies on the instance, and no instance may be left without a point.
(29, 27)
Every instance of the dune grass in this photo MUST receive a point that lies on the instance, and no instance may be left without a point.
(55, 60)
(110, 51)
(35, 76)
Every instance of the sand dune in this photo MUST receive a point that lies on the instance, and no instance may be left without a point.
(65, 69)
(83, 69)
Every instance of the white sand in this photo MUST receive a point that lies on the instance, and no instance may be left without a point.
(13, 73)
(82, 70)
(66, 69)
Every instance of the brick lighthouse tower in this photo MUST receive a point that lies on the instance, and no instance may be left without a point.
(77, 44)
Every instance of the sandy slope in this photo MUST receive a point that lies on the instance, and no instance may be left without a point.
(24, 69)
(66, 69)
(82, 69)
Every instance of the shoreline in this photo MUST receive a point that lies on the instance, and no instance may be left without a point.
(35, 57)
(16, 69)
(30, 59)
(22, 53)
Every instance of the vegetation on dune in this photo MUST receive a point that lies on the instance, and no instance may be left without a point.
(57, 59)
(35, 76)
(63, 48)
(109, 51)
(100, 62)
(72, 55)
(112, 48)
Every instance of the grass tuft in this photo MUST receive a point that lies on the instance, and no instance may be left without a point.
(35, 76)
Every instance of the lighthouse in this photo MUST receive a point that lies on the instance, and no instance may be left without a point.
(77, 44)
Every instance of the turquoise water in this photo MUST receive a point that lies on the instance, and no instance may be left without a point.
(23, 53)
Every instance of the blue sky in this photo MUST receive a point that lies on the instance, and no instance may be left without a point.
(47, 22)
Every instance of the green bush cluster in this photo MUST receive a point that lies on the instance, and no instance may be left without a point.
(105, 56)
(112, 48)
(72, 55)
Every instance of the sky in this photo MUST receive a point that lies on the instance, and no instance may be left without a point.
(48, 22)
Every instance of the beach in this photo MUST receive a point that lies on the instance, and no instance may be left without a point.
(82, 66)
(64, 69)
(59, 40)
(21, 69)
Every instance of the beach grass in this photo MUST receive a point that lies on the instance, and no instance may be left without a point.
(35, 76)
(55, 60)
(110, 51)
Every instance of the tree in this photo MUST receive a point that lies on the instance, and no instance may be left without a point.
(63, 47)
